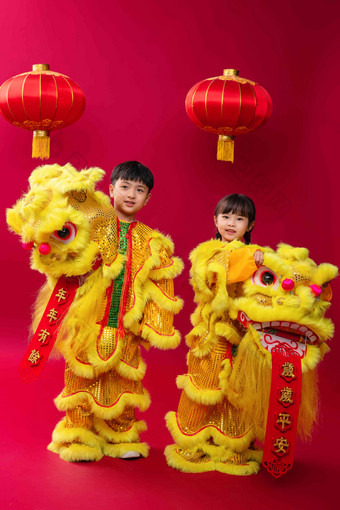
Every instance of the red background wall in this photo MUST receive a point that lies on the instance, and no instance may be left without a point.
(135, 62)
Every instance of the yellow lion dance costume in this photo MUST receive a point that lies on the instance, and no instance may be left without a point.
(74, 233)
(245, 329)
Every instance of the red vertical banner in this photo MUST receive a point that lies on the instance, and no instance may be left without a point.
(45, 335)
(283, 412)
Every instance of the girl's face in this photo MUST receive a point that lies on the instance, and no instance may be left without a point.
(232, 226)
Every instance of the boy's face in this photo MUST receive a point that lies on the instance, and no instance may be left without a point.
(128, 198)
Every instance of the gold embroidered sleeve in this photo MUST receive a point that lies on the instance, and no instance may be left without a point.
(157, 324)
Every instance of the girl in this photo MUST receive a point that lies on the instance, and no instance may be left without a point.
(207, 429)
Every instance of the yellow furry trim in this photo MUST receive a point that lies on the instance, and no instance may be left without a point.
(256, 454)
(286, 251)
(324, 349)
(204, 347)
(175, 460)
(228, 331)
(200, 258)
(66, 178)
(53, 447)
(132, 373)
(221, 299)
(104, 365)
(209, 334)
(158, 296)
(106, 413)
(216, 453)
(199, 395)
(77, 452)
(112, 436)
(79, 368)
(117, 450)
(187, 441)
(224, 375)
(63, 434)
(250, 468)
(159, 340)
(312, 358)
(325, 273)
(171, 271)
(144, 290)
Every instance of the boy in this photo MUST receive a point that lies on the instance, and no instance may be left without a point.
(104, 383)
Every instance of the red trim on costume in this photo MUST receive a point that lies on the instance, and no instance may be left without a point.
(160, 334)
(206, 427)
(97, 403)
(164, 267)
(128, 364)
(164, 294)
(121, 432)
(202, 389)
(105, 319)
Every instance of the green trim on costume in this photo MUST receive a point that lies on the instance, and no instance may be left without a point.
(118, 283)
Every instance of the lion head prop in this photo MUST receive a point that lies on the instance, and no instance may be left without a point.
(70, 229)
(64, 221)
(282, 310)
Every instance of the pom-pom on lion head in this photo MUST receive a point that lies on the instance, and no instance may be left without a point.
(65, 222)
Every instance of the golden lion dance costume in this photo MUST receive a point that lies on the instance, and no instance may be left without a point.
(258, 336)
(109, 289)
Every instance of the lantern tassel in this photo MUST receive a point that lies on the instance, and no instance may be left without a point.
(225, 148)
(41, 145)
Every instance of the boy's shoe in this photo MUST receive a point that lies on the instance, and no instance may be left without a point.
(130, 455)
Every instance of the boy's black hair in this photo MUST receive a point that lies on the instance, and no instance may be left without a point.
(237, 204)
(133, 171)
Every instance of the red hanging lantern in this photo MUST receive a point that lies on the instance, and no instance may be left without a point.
(228, 105)
(41, 101)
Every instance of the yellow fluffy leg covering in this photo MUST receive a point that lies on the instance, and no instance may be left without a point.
(211, 450)
(198, 461)
(117, 450)
(75, 444)
(121, 435)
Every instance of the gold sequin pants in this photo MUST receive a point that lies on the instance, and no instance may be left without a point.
(208, 431)
(100, 417)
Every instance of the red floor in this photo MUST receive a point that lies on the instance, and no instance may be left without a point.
(33, 478)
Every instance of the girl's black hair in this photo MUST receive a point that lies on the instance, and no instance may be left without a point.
(133, 171)
(237, 204)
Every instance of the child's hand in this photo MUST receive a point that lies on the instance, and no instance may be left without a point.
(258, 257)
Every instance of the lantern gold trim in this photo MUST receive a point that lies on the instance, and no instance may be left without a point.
(41, 144)
(225, 148)
(40, 67)
(230, 72)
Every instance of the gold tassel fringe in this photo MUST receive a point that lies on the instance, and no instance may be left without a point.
(225, 148)
(41, 145)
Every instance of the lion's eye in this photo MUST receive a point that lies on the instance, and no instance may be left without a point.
(66, 234)
(264, 276)
(267, 278)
